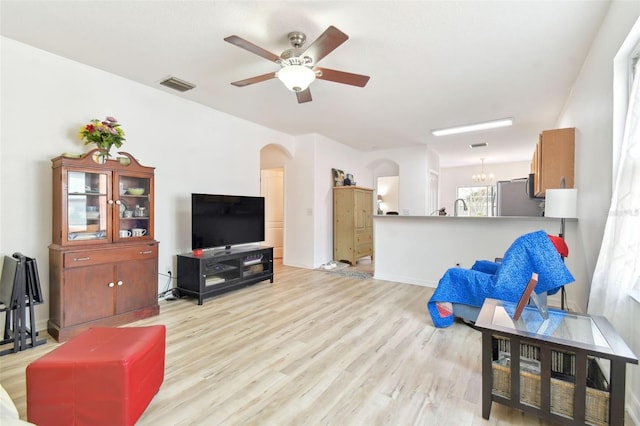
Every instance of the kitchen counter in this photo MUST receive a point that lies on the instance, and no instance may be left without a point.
(419, 249)
(470, 217)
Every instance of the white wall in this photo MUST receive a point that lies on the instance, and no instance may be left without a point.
(413, 166)
(330, 154)
(309, 196)
(46, 99)
(299, 201)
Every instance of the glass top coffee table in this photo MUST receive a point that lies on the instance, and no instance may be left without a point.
(557, 357)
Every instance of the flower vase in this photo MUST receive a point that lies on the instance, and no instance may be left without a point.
(102, 155)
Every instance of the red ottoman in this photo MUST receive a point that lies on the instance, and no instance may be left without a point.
(104, 376)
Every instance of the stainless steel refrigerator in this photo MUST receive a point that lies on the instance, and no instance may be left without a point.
(513, 200)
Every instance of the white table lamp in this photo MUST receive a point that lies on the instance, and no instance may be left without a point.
(561, 203)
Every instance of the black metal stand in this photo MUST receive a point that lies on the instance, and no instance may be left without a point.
(563, 292)
(19, 293)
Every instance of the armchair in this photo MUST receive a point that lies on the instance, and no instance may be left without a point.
(461, 292)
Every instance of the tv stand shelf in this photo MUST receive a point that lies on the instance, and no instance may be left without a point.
(219, 271)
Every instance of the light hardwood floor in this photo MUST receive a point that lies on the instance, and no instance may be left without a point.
(311, 348)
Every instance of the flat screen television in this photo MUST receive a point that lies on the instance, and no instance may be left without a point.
(226, 220)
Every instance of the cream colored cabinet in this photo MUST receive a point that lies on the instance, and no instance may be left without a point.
(553, 159)
(352, 223)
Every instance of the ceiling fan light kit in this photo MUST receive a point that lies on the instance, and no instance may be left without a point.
(298, 68)
(485, 125)
(296, 77)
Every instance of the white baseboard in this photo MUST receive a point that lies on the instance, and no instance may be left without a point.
(405, 280)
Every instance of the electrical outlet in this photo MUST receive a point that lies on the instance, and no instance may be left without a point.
(168, 270)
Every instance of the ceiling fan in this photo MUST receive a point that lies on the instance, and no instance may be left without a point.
(298, 65)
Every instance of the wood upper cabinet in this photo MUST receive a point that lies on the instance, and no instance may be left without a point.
(352, 223)
(103, 259)
(553, 159)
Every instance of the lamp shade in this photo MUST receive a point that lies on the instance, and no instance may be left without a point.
(296, 77)
(561, 203)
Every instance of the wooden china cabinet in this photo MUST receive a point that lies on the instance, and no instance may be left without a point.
(103, 260)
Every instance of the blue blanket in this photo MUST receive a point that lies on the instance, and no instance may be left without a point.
(530, 253)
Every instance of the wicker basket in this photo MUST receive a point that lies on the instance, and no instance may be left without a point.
(596, 404)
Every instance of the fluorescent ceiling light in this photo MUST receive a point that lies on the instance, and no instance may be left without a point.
(504, 122)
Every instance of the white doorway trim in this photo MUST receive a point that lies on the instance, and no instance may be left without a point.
(272, 188)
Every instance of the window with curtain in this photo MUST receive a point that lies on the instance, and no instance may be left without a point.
(616, 278)
(634, 72)
(634, 64)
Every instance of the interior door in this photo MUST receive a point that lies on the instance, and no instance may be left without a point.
(272, 188)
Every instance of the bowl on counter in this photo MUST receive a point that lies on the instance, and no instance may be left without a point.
(136, 191)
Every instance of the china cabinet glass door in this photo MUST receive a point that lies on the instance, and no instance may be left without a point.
(87, 206)
(134, 207)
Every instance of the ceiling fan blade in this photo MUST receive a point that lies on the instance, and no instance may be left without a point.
(304, 96)
(256, 79)
(325, 44)
(342, 77)
(247, 45)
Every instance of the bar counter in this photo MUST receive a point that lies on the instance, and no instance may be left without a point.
(419, 249)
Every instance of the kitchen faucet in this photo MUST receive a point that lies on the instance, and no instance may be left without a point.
(455, 206)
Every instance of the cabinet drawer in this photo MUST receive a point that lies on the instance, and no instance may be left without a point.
(364, 237)
(82, 258)
(364, 250)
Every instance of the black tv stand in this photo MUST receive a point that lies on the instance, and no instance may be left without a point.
(219, 271)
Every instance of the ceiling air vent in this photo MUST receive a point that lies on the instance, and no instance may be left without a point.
(177, 84)
(478, 145)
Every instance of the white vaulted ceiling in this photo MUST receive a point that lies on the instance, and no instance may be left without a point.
(432, 63)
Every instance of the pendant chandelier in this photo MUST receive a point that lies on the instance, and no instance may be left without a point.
(482, 177)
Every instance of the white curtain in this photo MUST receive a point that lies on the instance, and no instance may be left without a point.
(617, 271)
